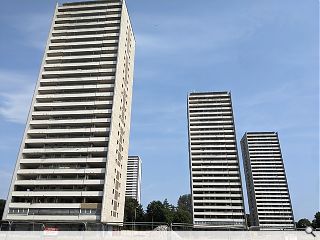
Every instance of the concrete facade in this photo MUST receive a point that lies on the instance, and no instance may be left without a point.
(214, 165)
(134, 171)
(73, 157)
(267, 187)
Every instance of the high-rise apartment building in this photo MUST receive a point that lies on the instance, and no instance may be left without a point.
(267, 187)
(72, 161)
(134, 170)
(214, 165)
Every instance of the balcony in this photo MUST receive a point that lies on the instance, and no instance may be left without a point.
(88, 58)
(57, 193)
(41, 132)
(80, 80)
(98, 16)
(42, 141)
(63, 160)
(79, 52)
(79, 73)
(91, 31)
(70, 122)
(65, 150)
(73, 96)
(82, 113)
(50, 105)
(55, 182)
(100, 25)
(61, 171)
(79, 65)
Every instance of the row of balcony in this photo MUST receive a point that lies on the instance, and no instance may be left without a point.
(69, 131)
(211, 151)
(76, 81)
(203, 132)
(222, 201)
(57, 193)
(209, 103)
(88, 17)
(232, 211)
(205, 158)
(88, 32)
(212, 177)
(79, 73)
(261, 138)
(76, 45)
(209, 116)
(87, 26)
(72, 8)
(72, 97)
(230, 194)
(42, 141)
(79, 65)
(273, 204)
(72, 112)
(62, 160)
(61, 171)
(69, 123)
(206, 96)
(213, 166)
(92, 58)
(65, 150)
(82, 52)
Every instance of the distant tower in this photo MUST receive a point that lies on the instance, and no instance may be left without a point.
(134, 170)
(267, 187)
(72, 163)
(214, 165)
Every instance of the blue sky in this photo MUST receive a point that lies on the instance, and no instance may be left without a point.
(265, 52)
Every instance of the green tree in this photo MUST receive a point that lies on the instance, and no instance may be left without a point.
(169, 211)
(248, 219)
(184, 203)
(2, 205)
(182, 216)
(303, 223)
(133, 211)
(316, 220)
(155, 212)
(183, 213)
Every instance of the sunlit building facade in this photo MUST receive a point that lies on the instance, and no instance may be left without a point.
(72, 161)
(134, 174)
(267, 187)
(214, 165)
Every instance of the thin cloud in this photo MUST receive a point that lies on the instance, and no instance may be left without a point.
(15, 96)
(180, 33)
(32, 29)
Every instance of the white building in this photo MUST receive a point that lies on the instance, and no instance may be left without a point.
(73, 157)
(214, 165)
(267, 187)
(134, 170)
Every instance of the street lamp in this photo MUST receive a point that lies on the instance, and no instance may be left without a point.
(135, 218)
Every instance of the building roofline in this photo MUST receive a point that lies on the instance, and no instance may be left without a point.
(206, 93)
(262, 132)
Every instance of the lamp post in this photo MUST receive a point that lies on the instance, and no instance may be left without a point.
(135, 217)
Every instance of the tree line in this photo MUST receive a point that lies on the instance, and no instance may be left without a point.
(2, 205)
(304, 222)
(160, 212)
(164, 212)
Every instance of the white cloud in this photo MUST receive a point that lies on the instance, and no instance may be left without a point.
(33, 28)
(14, 107)
(15, 96)
(180, 33)
(5, 178)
